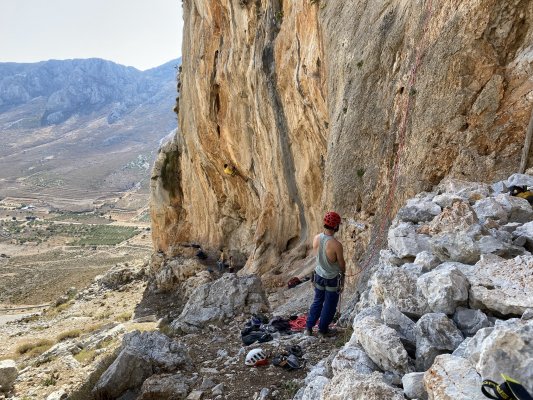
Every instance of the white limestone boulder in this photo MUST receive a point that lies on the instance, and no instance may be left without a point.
(119, 276)
(222, 299)
(418, 210)
(525, 231)
(508, 349)
(502, 286)
(413, 386)
(402, 324)
(435, 334)
(354, 358)
(427, 260)
(393, 285)
(470, 321)
(456, 246)
(404, 241)
(518, 209)
(519, 180)
(142, 354)
(313, 390)
(445, 288)
(453, 378)
(489, 208)
(471, 191)
(383, 345)
(351, 385)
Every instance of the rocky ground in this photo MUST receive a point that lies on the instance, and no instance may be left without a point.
(448, 305)
(63, 350)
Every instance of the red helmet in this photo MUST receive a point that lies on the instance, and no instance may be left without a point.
(332, 219)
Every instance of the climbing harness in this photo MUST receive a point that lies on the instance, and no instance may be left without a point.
(510, 389)
(401, 142)
(327, 288)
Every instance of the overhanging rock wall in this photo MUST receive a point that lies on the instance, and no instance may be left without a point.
(308, 98)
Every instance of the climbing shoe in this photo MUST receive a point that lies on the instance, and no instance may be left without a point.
(330, 333)
(296, 350)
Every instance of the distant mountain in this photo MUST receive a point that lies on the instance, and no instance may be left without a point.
(81, 129)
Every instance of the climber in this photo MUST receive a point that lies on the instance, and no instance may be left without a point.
(231, 266)
(327, 279)
(230, 170)
(221, 263)
(522, 191)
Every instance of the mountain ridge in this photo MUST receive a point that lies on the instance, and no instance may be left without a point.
(78, 126)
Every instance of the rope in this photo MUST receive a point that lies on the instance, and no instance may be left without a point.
(527, 145)
(376, 245)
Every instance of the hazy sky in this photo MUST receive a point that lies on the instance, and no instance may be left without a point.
(139, 33)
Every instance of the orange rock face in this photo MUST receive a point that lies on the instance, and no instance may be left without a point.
(349, 106)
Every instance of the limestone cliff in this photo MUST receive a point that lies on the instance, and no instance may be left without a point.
(353, 106)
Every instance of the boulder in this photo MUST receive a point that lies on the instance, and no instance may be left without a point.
(313, 390)
(383, 345)
(461, 351)
(351, 385)
(525, 231)
(518, 209)
(373, 311)
(510, 227)
(8, 374)
(404, 241)
(322, 368)
(418, 210)
(452, 378)
(412, 268)
(354, 358)
(496, 244)
(446, 199)
(508, 349)
(444, 288)
(519, 180)
(499, 187)
(471, 191)
(222, 299)
(460, 217)
(456, 246)
(435, 334)
(403, 325)
(470, 321)
(489, 208)
(471, 347)
(164, 386)
(413, 386)
(142, 354)
(195, 281)
(427, 260)
(502, 286)
(392, 285)
(119, 276)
